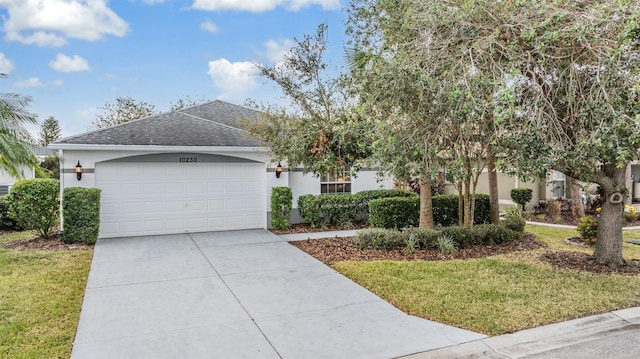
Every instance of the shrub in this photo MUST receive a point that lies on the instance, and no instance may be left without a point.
(588, 229)
(405, 211)
(445, 210)
(424, 238)
(394, 212)
(481, 234)
(514, 219)
(554, 209)
(379, 238)
(281, 203)
(6, 222)
(35, 204)
(325, 209)
(446, 244)
(521, 196)
(81, 212)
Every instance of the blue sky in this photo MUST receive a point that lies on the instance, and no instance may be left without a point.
(74, 56)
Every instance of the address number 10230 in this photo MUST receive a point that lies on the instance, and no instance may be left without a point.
(187, 159)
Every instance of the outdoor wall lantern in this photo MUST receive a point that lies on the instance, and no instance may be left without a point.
(278, 170)
(79, 171)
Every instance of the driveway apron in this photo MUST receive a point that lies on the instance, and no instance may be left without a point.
(239, 294)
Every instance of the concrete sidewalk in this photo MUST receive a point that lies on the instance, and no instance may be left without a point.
(241, 294)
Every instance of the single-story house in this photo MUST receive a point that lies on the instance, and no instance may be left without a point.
(7, 180)
(191, 170)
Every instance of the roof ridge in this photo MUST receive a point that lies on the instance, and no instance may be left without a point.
(212, 121)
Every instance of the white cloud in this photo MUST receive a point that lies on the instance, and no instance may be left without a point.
(153, 2)
(276, 50)
(263, 5)
(233, 79)
(6, 66)
(50, 22)
(209, 26)
(30, 82)
(57, 82)
(64, 63)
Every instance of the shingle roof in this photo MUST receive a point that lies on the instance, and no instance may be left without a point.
(213, 123)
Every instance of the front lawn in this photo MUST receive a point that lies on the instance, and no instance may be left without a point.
(502, 293)
(41, 295)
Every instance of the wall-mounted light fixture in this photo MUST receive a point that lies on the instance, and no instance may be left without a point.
(79, 171)
(278, 170)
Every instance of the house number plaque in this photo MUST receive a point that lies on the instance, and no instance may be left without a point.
(187, 159)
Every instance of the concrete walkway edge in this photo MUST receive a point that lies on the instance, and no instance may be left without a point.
(595, 336)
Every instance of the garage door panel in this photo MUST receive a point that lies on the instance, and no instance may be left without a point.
(156, 198)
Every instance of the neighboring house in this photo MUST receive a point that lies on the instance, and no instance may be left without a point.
(192, 170)
(7, 180)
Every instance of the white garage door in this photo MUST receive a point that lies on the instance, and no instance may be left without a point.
(158, 198)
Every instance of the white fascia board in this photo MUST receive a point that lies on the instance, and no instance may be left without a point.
(150, 148)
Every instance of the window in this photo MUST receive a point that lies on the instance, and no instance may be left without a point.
(337, 182)
(558, 184)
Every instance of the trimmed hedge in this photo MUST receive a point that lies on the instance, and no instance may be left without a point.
(342, 209)
(419, 238)
(394, 212)
(81, 212)
(6, 222)
(326, 209)
(405, 212)
(281, 204)
(35, 204)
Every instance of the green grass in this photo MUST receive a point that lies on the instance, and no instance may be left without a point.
(554, 238)
(500, 294)
(40, 299)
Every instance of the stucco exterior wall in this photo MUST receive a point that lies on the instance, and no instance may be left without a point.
(505, 184)
(6, 179)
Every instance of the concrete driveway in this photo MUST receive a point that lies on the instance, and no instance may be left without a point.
(240, 294)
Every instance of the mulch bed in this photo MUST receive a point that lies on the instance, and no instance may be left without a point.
(586, 263)
(51, 244)
(305, 228)
(330, 250)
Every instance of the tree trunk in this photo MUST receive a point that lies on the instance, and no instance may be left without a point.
(460, 204)
(576, 200)
(494, 200)
(426, 206)
(609, 244)
(467, 203)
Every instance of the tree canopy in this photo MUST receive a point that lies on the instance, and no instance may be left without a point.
(49, 131)
(124, 109)
(318, 127)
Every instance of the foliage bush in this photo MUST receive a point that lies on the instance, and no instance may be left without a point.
(446, 244)
(554, 209)
(394, 212)
(379, 238)
(588, 229)
(424, 238)
(325, 209)
(405, 212)
(418, 238)
(81, 213)
(6, 222)
(35, 204)
(521, 196)
(445, 210)
(281, 204)
(341, 209)
(514, 219)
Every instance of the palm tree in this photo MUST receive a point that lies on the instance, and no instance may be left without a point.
(15, 141)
